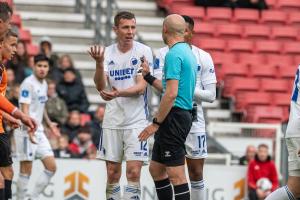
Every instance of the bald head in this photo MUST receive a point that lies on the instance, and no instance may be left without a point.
(174, 25)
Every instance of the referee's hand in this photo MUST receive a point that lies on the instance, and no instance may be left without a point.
(147, 132)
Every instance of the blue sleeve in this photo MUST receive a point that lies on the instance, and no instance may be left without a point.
(172, 67)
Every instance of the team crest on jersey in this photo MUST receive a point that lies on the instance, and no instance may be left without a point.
(25, 93)
(134, 61)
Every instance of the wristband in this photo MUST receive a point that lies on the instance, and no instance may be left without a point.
(149, 78)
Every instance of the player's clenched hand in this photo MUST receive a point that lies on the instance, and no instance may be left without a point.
(147, 132)
(145, 66)
(109, 95)
(14, 123)
(97, 52)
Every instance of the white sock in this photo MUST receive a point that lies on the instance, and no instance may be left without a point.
(22, 184)
(282, 193)
(113, 191)
(132, 191)
(198, 190)
(42, 182)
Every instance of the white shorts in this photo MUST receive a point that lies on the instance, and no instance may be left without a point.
(293, 146)
(117, 145)
(27, 151)
(195, 145)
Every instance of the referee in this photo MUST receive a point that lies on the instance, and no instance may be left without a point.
(173, 120)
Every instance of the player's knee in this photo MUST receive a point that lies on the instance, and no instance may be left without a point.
(133, 174)
(196, 174)
(157, 174)
(52, 168)
(113, 175)
(177, 178)
(8, 173)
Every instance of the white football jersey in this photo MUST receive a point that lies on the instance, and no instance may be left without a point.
(34, 93)
(122, 70)
(205, 75)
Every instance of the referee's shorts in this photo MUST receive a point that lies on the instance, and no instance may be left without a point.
(5, 150)
(169, 148)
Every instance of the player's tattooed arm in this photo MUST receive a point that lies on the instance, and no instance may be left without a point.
(97, 53)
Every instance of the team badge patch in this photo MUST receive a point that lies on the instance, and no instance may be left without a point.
(134, 61)
(25, 93)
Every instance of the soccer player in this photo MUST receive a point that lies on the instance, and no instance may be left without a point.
(174, 118)
(8, 113)
(292, 138)
(126, 110)
(205, 90)
(33, 96)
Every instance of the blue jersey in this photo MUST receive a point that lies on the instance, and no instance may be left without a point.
(180, 64)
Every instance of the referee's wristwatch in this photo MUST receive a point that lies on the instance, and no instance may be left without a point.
(154, 121)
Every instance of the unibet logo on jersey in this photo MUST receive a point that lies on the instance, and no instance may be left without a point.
(76, 190)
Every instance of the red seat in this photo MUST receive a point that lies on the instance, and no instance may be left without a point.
(252, 59)
(274, 85)
(32, 50)
(268, 47)
(274, 17)
(218, 14)
(281, 99)
(246, 16)
(263, 71)
(238, 84)
(16, 20)
(210, 44)
(240, 46)
(287, 72)
(259, 114)
(221, 57)
(257, 32)
(289, 5)
(204, 29)
(230, 70)
(272, 3)
(245, 99)
(85, 118)
(279, 60)
(25, 35)
(292, 47)
(296, 60)
(294, 18)
(192, 11)
(168, 3)
(229, 31)
(286, 33)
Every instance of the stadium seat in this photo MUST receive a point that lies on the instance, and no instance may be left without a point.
(287, 72)
(204, 29)
(251, 59)
(210, 44)
(294, 18)
(263, 71)
(85, 118)
(273, 17)
(229, 31)
(218, 14)
(279, 60)
(268, 47)
(257, 32)
(240, 46)
(296, 60)
(259, 114)
(284, 33)
(238, 84)
(272, 3)
(221, 57)
(246, 16)
(32, 50)
(230, 70)
(245, 99)
(168, 3)
(288, 5)
(195, 12)
(16, 20)
(281, 99)
(274, 85)
(25, 35)
(292, 48)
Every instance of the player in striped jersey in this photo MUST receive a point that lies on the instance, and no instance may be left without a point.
(292, 138)
(195, 144)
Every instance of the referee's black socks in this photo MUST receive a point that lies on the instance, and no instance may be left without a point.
(182, 192)
(2, 194)
(164, 189)
(8, 193)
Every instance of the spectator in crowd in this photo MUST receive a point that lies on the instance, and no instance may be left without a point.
(82, 145)
(63, 150)
(73, 124)
(261, 168)
(96, 124)
(56, 107)
(14, 94)
(65, 62)
(72, 91)
(19, 62)
(249, 156)
(213, 3)
(46, 49)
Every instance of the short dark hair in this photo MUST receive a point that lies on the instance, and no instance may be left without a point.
(263, 146)
(40, 57)
(5, 10)
(123, 15)
(189, 20)
(10, 33)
